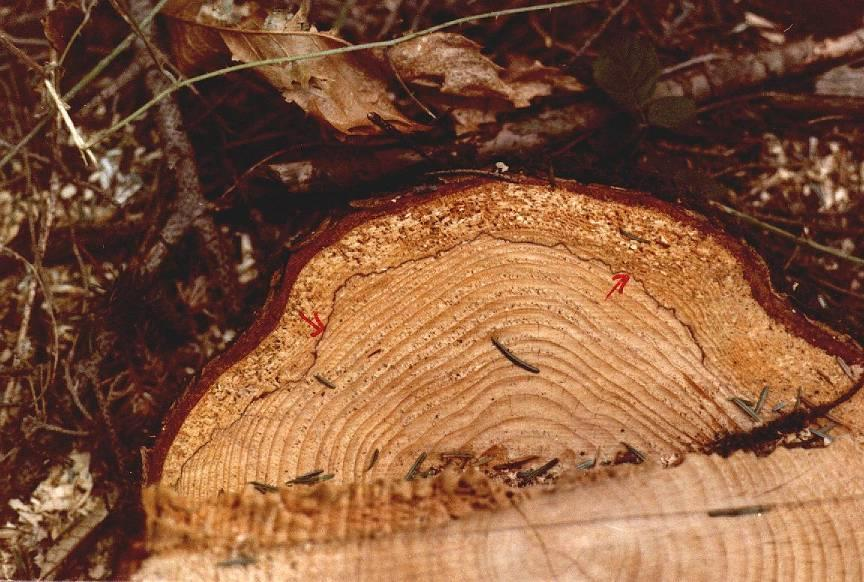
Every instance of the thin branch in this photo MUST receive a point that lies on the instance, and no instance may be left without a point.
(67, 121)
(612, 14)
(407, 90)
(727, 75)
(129, 74)
(785, 234)
(192, 208)
(692, 62)
(35, 425)
(157, 55)
(39, 255)
(166, 67)
(6, 41)
(81, 84)
(12, 392)
(77, 32)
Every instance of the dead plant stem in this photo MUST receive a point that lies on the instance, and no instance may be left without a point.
(785, 234)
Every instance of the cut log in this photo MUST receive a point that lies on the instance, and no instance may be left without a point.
(794, 515)
(491, 319)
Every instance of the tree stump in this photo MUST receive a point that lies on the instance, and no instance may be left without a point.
(480, 381)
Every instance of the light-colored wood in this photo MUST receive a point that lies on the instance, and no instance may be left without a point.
(627, 523)
(412, 294)
(411, 300)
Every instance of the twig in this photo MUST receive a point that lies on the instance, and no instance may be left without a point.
(35, 424)
(407, 90)
(104, 404)
(157, 55)
(6, 40)
(129, 74)
(11, 394)
(72, 387)
(612, 14)
(342, 16)
(415, 22)
(225, 199)
(522, 135)
(39, 255)
(749, 69)
(391, 18)
(81, 84)
(691, 62)
(548, 40)
(779, 231)
(192, 208)
(73, 131)
(838, 288)
(87, 8)
(390, 130)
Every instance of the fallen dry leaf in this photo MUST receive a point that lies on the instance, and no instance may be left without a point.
(450, 62)
(447, 70)
(340, 90)
(530, 79)
(453, 74)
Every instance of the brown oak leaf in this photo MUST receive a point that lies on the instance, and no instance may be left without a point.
(340, 90)
(451, 73)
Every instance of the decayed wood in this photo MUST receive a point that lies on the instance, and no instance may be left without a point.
(478, 319)
(794, 515)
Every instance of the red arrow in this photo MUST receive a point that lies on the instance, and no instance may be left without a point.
(317, 326)
(621, 280)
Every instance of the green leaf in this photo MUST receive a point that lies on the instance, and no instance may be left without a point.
(627, 70)
(670, 111)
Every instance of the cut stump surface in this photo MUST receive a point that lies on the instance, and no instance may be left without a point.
(480, 320)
